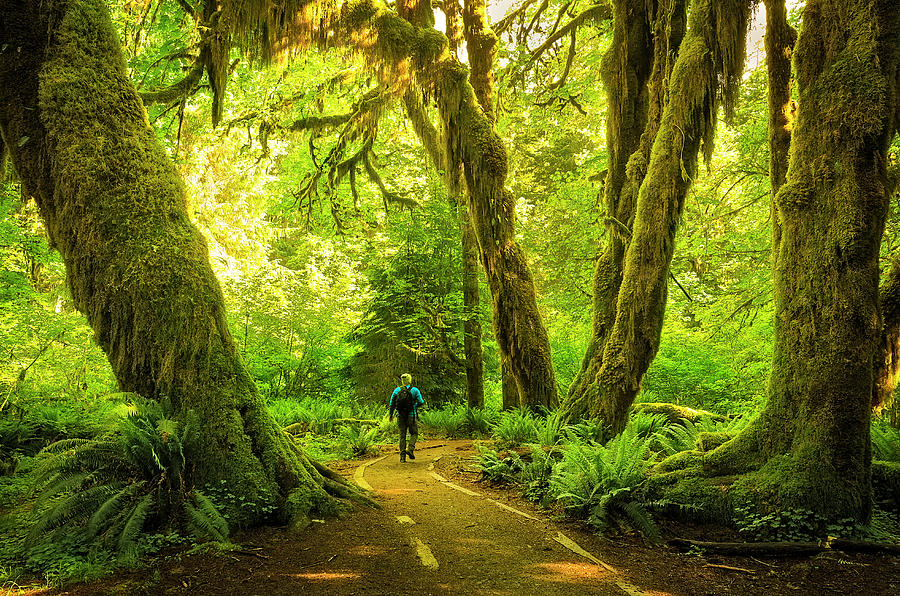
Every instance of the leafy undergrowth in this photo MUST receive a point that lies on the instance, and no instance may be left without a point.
(573, 470)
(86, 493)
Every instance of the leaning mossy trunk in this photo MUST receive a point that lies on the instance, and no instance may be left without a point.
(476, 156)
(137, 268)
(639, 47)
(810, 448)
(704, 75)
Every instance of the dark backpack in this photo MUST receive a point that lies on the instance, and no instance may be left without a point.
(404, 402)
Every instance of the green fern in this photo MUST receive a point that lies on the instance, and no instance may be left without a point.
(603, 482)
(113, 487)
(360, 440)
(516, 427)
(885, 442)
(449, 420)
(646, 424)
(552, 429)
(479, 421)
(496, 469)
(134, 523)
(204, 520)
(587, 431)
(680, 437)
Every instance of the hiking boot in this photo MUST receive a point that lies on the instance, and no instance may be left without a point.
(410, 454)
(403, 458)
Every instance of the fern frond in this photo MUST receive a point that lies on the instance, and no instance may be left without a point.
(204, 520)
(112, 507)
(71, 508)
(135, 522)
(641, 520)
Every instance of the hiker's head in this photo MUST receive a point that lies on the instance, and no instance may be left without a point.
(406, 379)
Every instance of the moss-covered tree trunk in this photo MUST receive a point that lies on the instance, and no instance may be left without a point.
(626, 71)
(138, 269)
(472, 324)
(779, 42)
(707, 69)
(472, 148)
(887, 358)
(809, 448)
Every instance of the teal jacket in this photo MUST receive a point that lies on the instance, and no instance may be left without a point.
(417, 400)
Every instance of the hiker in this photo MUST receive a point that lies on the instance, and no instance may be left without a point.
(406, 399)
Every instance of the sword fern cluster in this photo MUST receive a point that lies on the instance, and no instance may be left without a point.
(115, 488)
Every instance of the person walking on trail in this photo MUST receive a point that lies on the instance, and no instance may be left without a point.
(406, 400)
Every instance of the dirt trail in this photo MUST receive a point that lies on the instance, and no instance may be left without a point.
(472, 543)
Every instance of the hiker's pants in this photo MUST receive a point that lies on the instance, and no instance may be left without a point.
(404, 423)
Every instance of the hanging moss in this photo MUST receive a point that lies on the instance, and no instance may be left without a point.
(636, 54)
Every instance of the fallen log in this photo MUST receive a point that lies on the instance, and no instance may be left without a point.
(785, 548)
(674, 413)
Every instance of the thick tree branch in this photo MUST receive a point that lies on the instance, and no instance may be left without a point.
(177, 91)
(598, 12)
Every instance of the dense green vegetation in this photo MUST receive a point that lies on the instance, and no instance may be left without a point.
(338, 247)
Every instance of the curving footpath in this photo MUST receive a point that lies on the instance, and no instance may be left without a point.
(469, 542)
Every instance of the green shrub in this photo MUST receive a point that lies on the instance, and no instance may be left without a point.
(450, 420)
(551, 429)
(793, 525)
(587, 431)
(646, 425)
(496, 469)
(317, 414)
(684, 435)
(359, 440)
(676, 438)
(115, 488)
(480, 421)
(603, 482)
(885, 441)
(516, 427)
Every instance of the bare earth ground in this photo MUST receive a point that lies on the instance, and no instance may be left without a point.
(442, 532)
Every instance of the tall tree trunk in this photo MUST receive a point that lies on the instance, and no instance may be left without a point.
(472, 150)
(138, 269)
(887, 358)
(428, 135)
(638, 48)
(810, 448)
(481, 46)
(472, 304)
(779, 42)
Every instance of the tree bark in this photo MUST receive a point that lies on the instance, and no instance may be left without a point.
(137, 268)
(509, 388)
(472, 147)
(626, 71)
(810, 448)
